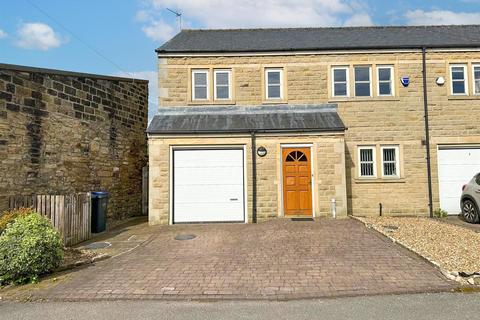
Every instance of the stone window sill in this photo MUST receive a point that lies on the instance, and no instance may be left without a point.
(379, 180)
(464, 97)
(365, 99)
(216, 102)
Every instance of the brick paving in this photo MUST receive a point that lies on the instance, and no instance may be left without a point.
(278, 260)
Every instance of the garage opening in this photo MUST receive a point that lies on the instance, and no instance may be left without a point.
(208, 185)
(456, 166)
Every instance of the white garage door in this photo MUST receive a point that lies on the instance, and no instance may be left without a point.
(208, 185)
(456, 166)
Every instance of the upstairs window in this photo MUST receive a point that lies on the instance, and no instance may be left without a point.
(340, 81)
(384, 81)
(200, 85)
(366, 160)
(362, 81)
(476, 79)
(458, 78)
(274, 83)
(390, 161)
(222, 79)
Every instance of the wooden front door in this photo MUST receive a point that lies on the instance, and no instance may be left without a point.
(297, 181)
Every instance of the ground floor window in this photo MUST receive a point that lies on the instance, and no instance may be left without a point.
(366, 156)
(389, 161)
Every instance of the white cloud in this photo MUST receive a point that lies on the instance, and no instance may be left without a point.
(158, 30)
(254, 13)
(441, 17)
(152, 78)
(38, 36)
(3, 34)
(360, 19)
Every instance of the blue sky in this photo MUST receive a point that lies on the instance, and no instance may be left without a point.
(125, 33)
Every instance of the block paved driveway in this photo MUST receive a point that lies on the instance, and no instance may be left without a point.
(280, 259)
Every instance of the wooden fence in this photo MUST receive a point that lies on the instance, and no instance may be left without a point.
(69, 214)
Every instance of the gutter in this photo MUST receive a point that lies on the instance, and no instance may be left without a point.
(174, 132)
(427, 131)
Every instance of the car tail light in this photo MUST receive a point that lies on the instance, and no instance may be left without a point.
(464, 186)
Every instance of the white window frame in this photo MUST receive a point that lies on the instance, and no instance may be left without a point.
(267, 71)
(362, 81)
(397, 160)
(475, 65)
(347, 80)
(465, 79)
(392, 85)
(374, 160)
(207, 72)
(229, 72)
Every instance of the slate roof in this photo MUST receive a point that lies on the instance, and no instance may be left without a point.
(244, 119)
(305, 39)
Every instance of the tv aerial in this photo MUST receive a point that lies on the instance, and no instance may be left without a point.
(178, 14)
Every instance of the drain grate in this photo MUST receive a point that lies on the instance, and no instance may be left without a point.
(185, 237)
(390, 227)
(97, 245)
(302, 219)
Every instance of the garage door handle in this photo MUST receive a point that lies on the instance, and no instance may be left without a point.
(234, 199)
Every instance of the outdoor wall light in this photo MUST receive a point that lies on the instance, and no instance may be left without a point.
(262, 152)
(440, 81)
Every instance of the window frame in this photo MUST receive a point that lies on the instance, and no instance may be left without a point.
(229, 72)
(374, 161)
(362, 81)
(474, 91)
(397, 161)
(392, 84)
(280, 71)
(465, 79)
(347, 80)
(207, 73)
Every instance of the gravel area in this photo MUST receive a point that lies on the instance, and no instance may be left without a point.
(453, 248)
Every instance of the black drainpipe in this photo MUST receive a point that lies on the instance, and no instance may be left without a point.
(427, 131)
(254, 179)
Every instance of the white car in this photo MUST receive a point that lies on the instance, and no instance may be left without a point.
(471, 199)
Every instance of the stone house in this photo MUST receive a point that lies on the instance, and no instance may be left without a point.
(63, 132)
(256, 124)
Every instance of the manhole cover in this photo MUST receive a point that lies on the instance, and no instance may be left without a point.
(97, 245)
(392, 228)
(185, 237)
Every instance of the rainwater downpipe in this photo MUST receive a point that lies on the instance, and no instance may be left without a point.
(427, 130)
(254, 177)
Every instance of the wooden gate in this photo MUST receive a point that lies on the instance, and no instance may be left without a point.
(69, 214)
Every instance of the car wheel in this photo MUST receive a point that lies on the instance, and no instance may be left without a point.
(470, 211)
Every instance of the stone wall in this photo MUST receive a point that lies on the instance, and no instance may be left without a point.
(63, 132)
(373, 120)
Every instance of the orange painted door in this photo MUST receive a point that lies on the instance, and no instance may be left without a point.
(297, 181)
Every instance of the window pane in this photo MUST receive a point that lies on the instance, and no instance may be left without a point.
(389, 169)
(366, 155)
(340, 89)
(362, 73)
(200, 92)
(200, 79)
(385, 88)
(388, 154)
(274, 91)
(458, 86)
(273, 77)
(457, 73)
(339, 75)
(476, 72)
(222, 78)
(477, 86)
(366, 169)
(222, 92)
(384, 74)
(362, 89)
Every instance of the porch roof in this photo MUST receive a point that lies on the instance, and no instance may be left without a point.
(245, 119)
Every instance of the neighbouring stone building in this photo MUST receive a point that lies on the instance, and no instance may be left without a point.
(63, 132)
(371, 78)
